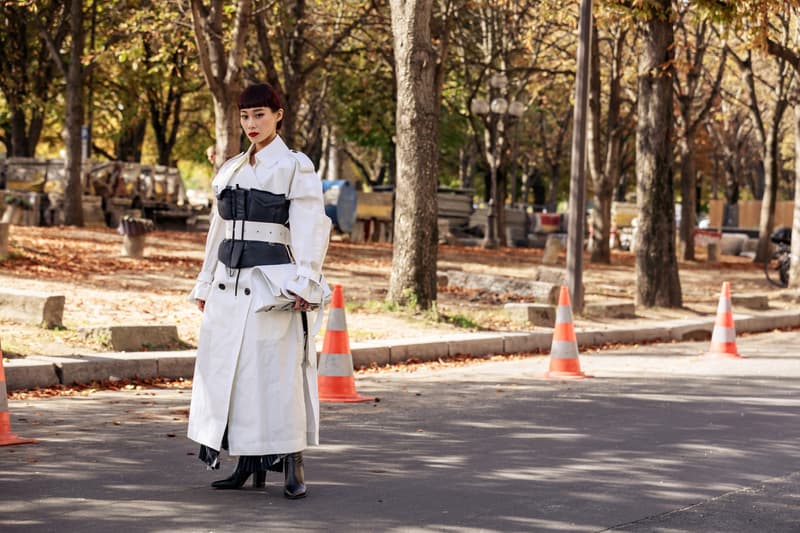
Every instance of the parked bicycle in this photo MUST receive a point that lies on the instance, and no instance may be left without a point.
(777, 267)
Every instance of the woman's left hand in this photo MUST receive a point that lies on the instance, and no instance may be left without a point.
(301, 305)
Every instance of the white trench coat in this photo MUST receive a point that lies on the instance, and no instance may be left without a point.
(252, 373)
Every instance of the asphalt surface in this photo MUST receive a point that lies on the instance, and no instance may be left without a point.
(661, 439)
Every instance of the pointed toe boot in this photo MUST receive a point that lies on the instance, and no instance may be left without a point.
(294, 479)
(239, 478)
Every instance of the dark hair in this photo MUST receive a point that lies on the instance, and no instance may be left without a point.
(261, 95)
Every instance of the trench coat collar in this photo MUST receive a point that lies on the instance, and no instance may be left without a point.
(271, 153)
(267, 156)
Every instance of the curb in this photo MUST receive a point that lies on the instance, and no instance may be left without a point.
(46, 371)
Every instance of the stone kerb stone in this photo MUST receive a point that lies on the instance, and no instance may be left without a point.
(476, 345)
(29, 373)
(526, 342)
(133, 338)
(367, 352)
(423, 349)
(32, 307)
(777, 319)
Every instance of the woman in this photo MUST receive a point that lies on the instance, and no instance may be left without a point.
(255, 380)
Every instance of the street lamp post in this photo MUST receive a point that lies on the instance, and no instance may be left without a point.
(493, 114)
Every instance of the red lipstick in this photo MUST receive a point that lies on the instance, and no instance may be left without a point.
(252, 134)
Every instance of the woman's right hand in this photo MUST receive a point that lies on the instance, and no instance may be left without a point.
(201, 304)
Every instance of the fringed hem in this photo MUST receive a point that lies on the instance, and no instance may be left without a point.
(209, 456)
(261, 463)
(247, 463)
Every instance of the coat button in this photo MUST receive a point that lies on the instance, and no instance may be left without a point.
(222, 286)
(247, 292)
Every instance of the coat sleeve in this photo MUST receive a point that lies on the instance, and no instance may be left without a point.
(310, 230)
(216, 233)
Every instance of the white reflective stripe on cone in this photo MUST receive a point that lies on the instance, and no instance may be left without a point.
(335, 365)
(336, 319)
(563, 314)
(721, 334)
(564, 350)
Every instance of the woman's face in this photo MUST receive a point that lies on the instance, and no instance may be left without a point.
(260, 124)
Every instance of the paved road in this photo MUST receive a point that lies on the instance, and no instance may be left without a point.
(660, 440)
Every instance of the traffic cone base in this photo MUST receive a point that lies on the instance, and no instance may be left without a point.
(7, 437)
(336, 380)
(339, 389)
(565, 368)
(723, 338)
(564, 363)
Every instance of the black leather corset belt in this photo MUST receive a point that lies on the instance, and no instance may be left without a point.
(257, 225)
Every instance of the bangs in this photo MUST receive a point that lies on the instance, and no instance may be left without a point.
(260, 95)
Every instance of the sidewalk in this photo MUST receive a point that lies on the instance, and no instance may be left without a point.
(45, 371)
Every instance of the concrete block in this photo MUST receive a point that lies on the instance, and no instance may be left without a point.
(4, 232)
(552, 248)
(29, 373)
(610, 309)
(750, 301)
(557, 276)
(133, 246)
(133, 338)
(367, 352)
(32, 307)
(712, 252)
(732, 243)
(491, 343)
(537, 314)
(423, 349)
(538, 291)
(526, 342)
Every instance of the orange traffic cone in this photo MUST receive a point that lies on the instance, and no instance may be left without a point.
(564, 349)
(6, 435)
(723, 338)
(336, 380)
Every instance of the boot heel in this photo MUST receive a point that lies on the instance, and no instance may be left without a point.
(259, 479)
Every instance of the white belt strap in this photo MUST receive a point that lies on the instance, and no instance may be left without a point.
(257, 231)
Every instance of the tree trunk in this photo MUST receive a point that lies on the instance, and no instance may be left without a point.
(226, 126)
(794, 271)
(73, 209)
(604, 177)
(413, 277)
(223, 73)
(688, 195)
(166, 122)
(657, 280)
(131, 138)
(23, 137)
(770, 197)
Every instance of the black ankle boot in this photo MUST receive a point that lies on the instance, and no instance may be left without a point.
(294, 483)
(239, 477)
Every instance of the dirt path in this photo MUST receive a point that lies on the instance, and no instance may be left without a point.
(102, 288)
